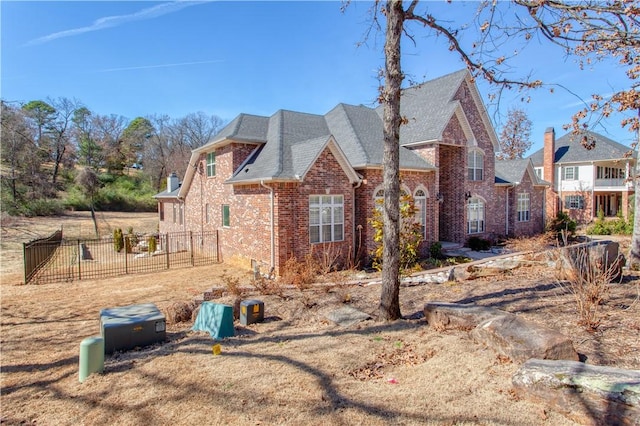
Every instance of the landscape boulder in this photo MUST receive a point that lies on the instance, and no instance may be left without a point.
(587, 394)
(444, 316)
(586, 258)
(520, 340)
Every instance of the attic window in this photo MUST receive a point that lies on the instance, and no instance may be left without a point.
(475, 164)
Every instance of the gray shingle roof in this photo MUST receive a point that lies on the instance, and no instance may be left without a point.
(513, 171)
(569, 149)
(292, 140)
(428, 107)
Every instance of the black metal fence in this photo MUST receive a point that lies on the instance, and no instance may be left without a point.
(91, 259)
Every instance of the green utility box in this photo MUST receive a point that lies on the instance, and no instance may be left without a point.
(91, 357)
(216, 319)
(132, 326)
(251, 311)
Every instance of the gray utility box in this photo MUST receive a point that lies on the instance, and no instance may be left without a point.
(132, 326)
(251, 311)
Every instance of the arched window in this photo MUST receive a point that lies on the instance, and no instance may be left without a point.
(475, 164)
(475, 215)
(420, 197)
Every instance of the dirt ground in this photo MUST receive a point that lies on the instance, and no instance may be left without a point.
(296, 367)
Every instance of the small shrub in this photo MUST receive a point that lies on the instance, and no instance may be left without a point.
(153, 245)
(268, 286)
(588, 279)
(435, 250)
(410, 234)
(232, 284)
(563, 226)
(300, 274)
(478, 244)
(179, 312)
(118, 240)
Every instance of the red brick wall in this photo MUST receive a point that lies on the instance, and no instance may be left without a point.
(534, 225)
(292, 211)
(365, 205)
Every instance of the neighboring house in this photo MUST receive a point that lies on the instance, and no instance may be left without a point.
(522, 193)
(294, 184)
(585, 181)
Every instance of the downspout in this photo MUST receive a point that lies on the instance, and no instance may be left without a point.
(507, 210)
(273, 237)
(356, 247)
(594, 213)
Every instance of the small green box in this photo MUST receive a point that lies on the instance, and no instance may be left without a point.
(251, 311)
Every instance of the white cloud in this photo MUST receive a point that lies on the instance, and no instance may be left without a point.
(115, 21)
(168, 65)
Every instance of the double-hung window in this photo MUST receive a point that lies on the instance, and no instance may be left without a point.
(475, 165)
(574, 202)
(524, 207)
(475, 216)
(211, 164)
(570, 173)
(326, 218)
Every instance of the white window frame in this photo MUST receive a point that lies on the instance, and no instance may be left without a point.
(524, 207)
(475, 216)
(475, 165)
(574, 202)
(570, 173)
(420, 198)
(326, 218)
(211, 164)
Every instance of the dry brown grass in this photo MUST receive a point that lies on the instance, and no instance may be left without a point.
(295, 368)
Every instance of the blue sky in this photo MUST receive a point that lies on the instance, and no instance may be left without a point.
(224, 58)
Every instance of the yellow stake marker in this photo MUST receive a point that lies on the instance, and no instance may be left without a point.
(217, 349)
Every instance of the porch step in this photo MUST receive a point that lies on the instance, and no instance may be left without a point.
(448, 246)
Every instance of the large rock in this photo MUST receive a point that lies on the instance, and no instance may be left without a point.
(602, 256)
(520, 340)
(444, 316)
(585, 393)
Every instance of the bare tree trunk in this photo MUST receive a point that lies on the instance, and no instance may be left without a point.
(95, 221)
(634, 253)
(389, 308)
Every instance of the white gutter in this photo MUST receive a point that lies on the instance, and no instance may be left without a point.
(273, 237)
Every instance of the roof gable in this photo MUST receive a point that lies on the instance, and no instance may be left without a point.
(512, 172)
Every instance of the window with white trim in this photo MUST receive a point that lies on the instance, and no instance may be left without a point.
(420, 198)
(570, 173)
(211, 164)
(574, 202)
(475, 216)
(475, 164)
(326, 218)
(524, 207)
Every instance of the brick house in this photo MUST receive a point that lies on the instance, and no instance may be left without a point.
(294, 183)
(584, 181)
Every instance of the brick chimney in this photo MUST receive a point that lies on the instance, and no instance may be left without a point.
(549, 156)
(551, 197)
(172, 182)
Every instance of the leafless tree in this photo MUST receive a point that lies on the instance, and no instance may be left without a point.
(515, 137)
(589, 30)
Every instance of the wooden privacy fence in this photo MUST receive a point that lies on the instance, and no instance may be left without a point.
(37, 253)
(91, 259)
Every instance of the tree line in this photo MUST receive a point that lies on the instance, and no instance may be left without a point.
(45, 144)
